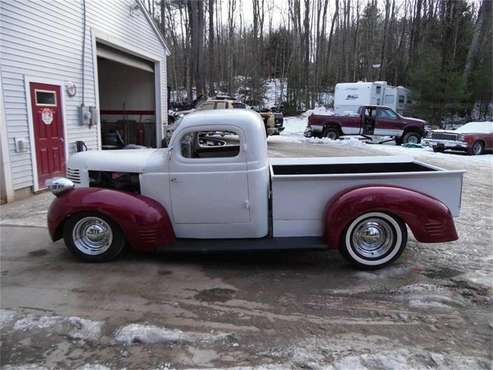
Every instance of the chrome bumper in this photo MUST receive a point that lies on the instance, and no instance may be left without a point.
(445, 143)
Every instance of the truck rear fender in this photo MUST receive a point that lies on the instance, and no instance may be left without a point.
(428, 218)
(144, 222)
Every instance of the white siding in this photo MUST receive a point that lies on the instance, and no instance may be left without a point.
(43, 39)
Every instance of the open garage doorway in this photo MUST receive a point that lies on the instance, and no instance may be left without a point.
(127, 102)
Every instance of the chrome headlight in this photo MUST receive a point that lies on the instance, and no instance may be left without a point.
(59, 185)
(461, 137)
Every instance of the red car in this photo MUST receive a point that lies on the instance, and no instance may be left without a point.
(371, 120)
(474, 137)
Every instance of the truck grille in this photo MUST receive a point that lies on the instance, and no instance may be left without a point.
(73, 175)
(443, 136)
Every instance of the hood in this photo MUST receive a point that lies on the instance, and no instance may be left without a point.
(414, 120)
(129, 160)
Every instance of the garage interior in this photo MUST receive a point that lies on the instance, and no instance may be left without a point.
(127, 100)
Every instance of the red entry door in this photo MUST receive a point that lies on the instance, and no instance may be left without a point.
(48, 131)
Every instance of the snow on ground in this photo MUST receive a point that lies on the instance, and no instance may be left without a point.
(349, 351)
(295, 127)
(74, 327)
(6, 316)
(140, 333)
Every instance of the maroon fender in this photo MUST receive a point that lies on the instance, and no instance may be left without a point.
(144, 221)
(429, 219)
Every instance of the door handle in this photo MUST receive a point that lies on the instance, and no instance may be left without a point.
(173, 179)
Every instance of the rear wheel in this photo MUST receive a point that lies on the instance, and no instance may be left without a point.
(477, 148)
(411, 138)
(374, 240)
(331, 133)
(93, 237)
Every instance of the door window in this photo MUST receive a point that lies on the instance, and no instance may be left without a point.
(221, 105)
(210, 144)
(45, 98)
(386, 114)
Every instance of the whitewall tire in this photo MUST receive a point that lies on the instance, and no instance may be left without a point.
(374, 240)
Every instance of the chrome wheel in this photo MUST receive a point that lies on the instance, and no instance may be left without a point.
(372, 237)
(92, 235)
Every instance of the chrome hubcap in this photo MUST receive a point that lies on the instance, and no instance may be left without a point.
(92, 235)
(476, 148)
(372, 237)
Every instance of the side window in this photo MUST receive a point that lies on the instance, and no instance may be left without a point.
(386, 113)
(239, 105)
(210, 144)
(221, 105)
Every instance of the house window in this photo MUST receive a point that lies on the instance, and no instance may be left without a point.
(379, 90)
(402, 99)
(45, 98)
(210, 144)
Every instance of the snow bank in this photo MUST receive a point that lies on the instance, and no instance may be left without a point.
(149, 334)
(74, 327)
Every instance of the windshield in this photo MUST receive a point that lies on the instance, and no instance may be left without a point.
(480, 127)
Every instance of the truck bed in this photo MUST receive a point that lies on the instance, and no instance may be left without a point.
(301, 187)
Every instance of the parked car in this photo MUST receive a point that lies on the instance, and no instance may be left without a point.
(371, 120)
(474, 137)
(215, 188)
(273, 126)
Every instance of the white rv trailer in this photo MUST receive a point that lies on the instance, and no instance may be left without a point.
(349, 96)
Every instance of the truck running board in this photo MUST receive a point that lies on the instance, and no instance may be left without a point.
(265, 244)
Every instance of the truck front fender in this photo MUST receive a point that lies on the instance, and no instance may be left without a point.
(144, 222)
(428, 218)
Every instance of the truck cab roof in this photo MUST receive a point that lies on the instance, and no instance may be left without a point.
(249, 122)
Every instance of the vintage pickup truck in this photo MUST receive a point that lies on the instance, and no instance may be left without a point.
(370, 121)
(214, 188)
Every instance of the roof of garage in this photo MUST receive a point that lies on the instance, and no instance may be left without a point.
(154, 26)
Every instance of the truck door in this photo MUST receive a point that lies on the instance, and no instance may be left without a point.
(388, 123)
(208, 177)
(368, 120)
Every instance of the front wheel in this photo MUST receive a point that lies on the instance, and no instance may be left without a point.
(477, 148)
(374, 240)
(93, 237)
(331, 133)
(411, 138)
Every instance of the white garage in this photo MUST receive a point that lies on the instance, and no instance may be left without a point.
(75, 75)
